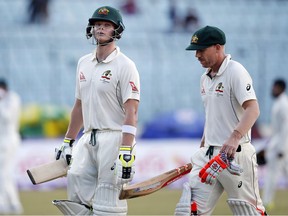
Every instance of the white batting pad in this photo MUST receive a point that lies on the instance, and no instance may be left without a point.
(109, 203)
(241, 207)
(183, 207)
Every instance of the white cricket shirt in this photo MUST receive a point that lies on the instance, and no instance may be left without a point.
(223, 96)
(103, 88)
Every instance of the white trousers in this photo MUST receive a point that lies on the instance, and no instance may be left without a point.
(93, 166)
(244, 187)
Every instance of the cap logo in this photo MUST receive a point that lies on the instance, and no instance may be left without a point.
(103, 11)
(194, 39)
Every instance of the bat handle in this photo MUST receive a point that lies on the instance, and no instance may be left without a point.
(58, 155)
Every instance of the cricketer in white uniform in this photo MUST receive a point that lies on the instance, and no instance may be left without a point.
(10, 111)
(107, 97)
(231, 109)
(276, 154)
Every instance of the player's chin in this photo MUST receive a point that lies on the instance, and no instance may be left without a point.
(204, 65)
(102, 38)
(103, 41)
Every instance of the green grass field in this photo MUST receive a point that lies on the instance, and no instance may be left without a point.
(160, 203)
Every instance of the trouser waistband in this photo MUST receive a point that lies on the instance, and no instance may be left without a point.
(95, 131)
(210, 150)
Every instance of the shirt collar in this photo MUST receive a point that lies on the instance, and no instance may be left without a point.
(222, 67)
(109, 58)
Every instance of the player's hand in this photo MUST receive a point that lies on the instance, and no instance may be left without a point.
(125, 165)
(215, 166)
(65, 150)
(232, 166)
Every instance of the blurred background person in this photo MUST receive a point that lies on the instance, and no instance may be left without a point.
(191, 20)
(10, 109)
(276, 153)
(130, 7)
(173, 16)
(187, 20)
(38, 11)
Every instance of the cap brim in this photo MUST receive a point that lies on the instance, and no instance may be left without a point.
(196, 47)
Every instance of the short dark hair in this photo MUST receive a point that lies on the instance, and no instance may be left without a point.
(3, 84)
(281, 83)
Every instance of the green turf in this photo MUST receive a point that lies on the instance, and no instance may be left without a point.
(160, 203)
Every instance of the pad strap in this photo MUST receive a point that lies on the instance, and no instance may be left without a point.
(68, 207)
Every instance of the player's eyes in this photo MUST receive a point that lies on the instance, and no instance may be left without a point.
(105, 26)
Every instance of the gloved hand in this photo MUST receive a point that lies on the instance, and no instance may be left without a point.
(125, 165)
(232, 166)
(215, 166)
(65, 150)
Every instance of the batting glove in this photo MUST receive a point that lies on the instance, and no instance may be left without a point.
(215, 166)
(232, 166)
(65, 150)
(125, 165)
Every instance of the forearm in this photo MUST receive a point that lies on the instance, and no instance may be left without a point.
(131, 118)
(250, 115)
(202, 140)
(76, 121)
(248, 119)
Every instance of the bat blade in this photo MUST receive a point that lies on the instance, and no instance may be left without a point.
(47, 172)
(154, 184)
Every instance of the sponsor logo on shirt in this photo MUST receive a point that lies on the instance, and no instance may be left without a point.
(134, 88)
(106, 76)
(203, 91)
(82, 77)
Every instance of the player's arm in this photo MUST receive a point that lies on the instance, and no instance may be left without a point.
(75, 124)
(76, 120)
(251, 113)
(126, 158)
(131, 118)
(202, 139)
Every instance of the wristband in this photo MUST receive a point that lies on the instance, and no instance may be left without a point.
(69, 141)
(129, 129)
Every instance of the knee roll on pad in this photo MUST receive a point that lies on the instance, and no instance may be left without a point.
(68, 207)
(183, 207)
(242, 207)
(107, 201)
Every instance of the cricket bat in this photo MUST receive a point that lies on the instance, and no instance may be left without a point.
(154, 184)
(47, 172)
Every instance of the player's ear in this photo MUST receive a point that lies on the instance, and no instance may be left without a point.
(218, 46)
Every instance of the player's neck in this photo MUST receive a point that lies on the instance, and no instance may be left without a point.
(104, 51)
(212, 73)
(215, 68)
